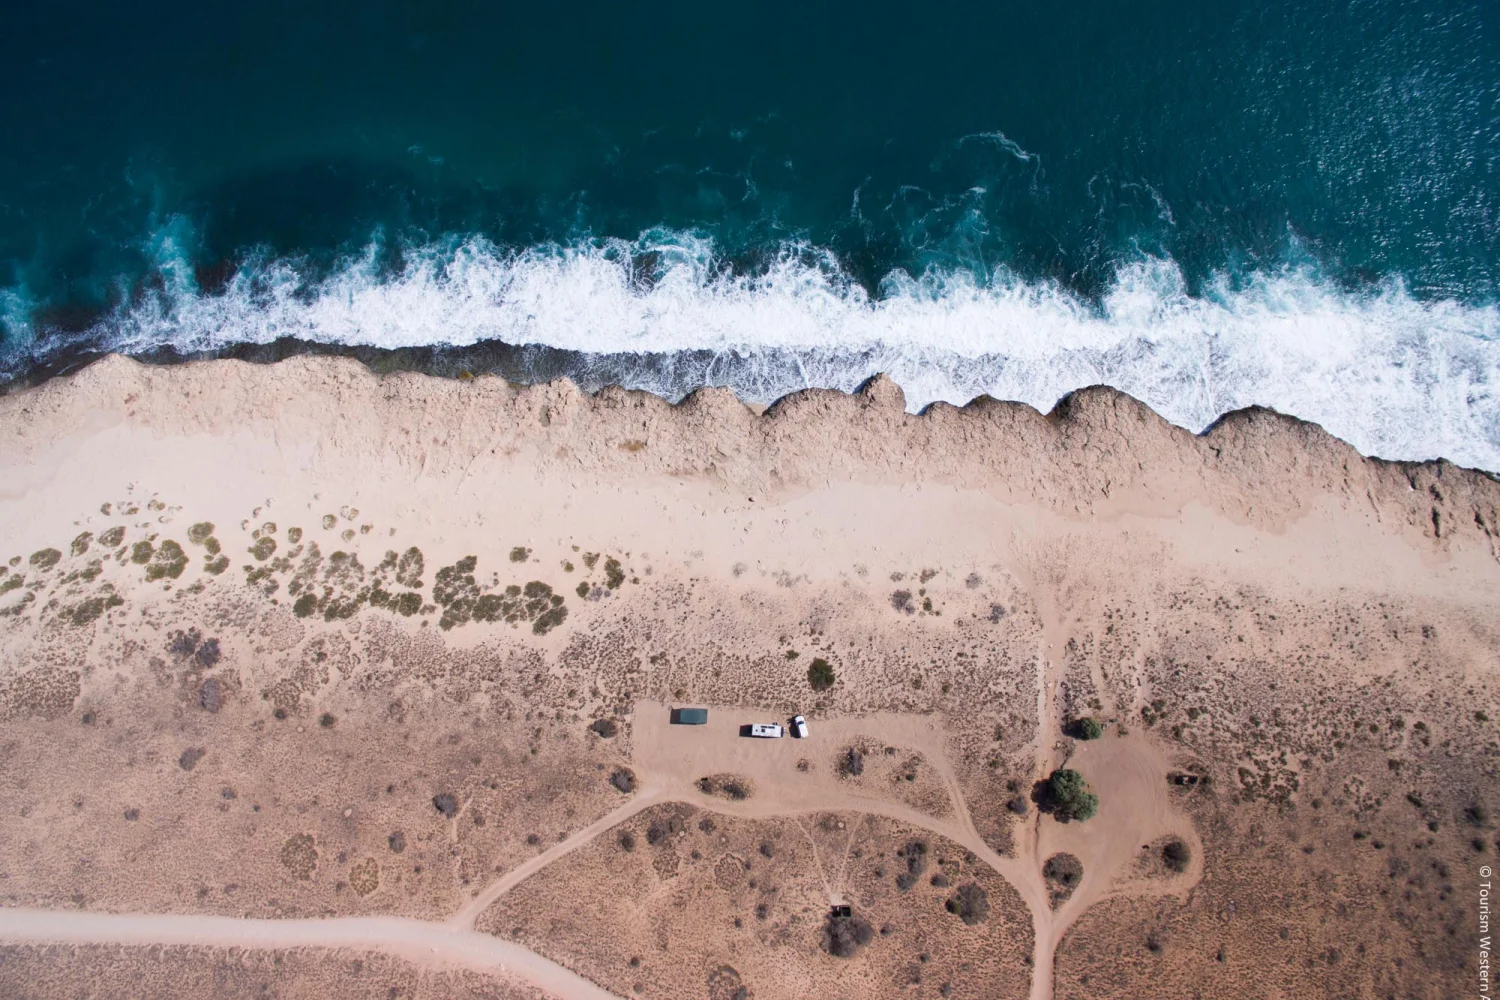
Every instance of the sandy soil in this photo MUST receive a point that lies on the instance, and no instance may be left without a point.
(721, 899)
(100, 972)
(297, 643)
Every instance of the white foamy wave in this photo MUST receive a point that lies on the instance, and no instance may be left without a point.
(1395, 376)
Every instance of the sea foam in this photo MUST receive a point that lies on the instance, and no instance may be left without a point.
(1395, 376)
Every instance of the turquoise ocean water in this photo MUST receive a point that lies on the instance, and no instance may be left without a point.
(1295, 204)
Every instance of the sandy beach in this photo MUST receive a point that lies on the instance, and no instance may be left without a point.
(301, 643)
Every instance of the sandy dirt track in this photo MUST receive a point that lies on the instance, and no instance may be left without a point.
(417, 941)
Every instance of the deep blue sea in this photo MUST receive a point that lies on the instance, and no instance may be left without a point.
(1293, 203)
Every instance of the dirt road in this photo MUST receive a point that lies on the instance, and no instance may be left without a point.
(418, 941)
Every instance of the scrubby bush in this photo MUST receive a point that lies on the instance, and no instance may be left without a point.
(843, 937)
(727, 786)
(182, 643)
(915, 854)
(208, 654)
(969, 903)
(445, 803)
(623, 778)
(1063, 869)
(820, 675)
(1175, 855)
(852, 763)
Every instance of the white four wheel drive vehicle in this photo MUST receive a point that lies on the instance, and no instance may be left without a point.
(799, 727)
(765, 730)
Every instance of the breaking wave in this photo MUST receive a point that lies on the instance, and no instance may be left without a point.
(1395, 376)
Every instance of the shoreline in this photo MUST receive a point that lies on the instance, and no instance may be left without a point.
(534, 365)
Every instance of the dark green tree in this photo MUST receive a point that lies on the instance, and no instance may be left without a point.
(1069, 797)
(820, 675)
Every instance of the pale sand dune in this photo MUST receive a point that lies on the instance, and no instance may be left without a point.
(1246, 604)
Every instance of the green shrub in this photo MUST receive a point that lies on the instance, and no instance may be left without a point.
(1089, 728)
(820, 675)
(1069, 797)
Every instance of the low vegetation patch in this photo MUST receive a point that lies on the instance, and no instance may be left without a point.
(726, 786)
(166, 562)
(915, 855)
(299, 854)
(851, 763)
(89, 609)
(364, 877)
